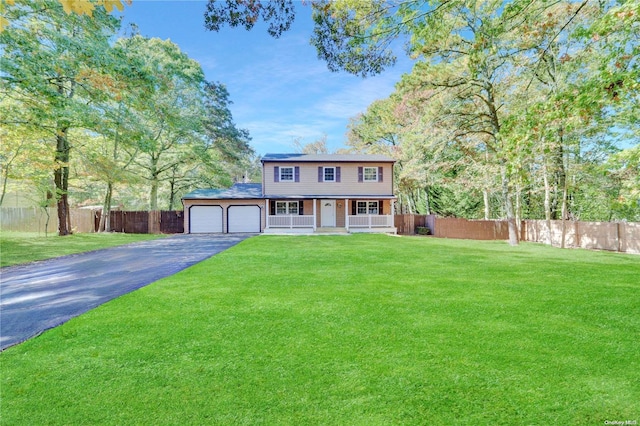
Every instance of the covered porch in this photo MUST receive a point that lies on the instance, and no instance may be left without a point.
(330, 214)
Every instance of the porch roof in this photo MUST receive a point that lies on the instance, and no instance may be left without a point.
(331, 197)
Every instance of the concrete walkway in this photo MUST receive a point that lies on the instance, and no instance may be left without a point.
(42, 295)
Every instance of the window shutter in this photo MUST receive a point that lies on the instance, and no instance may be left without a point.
(380, 204)
(301, 207)
(354, 205)
(360, 174)
(272, 208)
(276, 174)
(380, 174)
(337, 174)
(320, 176)
(296, 172)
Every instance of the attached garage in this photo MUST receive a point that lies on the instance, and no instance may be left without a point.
(205, 219)
(243, 219)
(233, 210)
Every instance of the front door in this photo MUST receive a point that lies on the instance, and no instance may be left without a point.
(328, 213)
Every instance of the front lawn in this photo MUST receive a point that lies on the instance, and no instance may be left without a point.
(349, 330)
(23, 247)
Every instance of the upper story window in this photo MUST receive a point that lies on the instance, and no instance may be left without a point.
(329, 174)
(286, 174)
(370, 174)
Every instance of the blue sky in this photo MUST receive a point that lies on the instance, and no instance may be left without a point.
(279, 89)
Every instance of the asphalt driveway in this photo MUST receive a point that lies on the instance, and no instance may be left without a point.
(42, 295)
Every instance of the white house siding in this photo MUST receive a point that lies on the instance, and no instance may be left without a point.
(225, 205)
(309, 184)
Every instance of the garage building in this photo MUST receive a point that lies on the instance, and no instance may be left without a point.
(238, 209)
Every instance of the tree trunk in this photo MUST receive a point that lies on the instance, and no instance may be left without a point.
(153, 193)
(518, 208)
(564, 215)
(105, 219)
(172, 194)
(485, 198)
(547, 200)
(508, 206)
(61, 179)
(427, 201)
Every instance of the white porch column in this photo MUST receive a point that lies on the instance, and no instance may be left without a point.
(314, 215)
(266, 213)
(393, 213)
(346, 214)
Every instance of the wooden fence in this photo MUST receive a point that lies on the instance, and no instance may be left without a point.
(145, 222)
(32, 219)
(613, 236)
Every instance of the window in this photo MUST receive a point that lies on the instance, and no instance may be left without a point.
(329, 174)
(370, 174)
(286, 174)
(367, 207)
(286, 207)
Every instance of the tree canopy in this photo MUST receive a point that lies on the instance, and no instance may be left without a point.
(110, 117)
(523, 105)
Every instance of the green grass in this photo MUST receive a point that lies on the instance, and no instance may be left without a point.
(23, 247)
(348, 330)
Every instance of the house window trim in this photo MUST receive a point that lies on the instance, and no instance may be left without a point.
(293, 173)
(364, 174)
(368, 204)
(288, 210)
(324, 174)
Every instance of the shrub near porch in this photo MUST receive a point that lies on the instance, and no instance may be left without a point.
(361, 329)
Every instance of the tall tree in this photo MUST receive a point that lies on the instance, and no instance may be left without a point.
(47, 58)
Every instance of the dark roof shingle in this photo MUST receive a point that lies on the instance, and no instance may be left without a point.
(237, 191)
(328, 158)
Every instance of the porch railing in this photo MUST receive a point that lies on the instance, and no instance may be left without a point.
(290, 221)
(370, 221)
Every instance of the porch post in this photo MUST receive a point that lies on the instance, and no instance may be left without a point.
(314, 215)
(346, 214)
(266, 213)
(392, 212)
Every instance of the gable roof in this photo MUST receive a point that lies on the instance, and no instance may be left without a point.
(327, 158)
(237, 191)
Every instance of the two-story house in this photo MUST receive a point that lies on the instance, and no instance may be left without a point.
(301, 193)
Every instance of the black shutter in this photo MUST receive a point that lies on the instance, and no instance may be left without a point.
(276, 174)
(272, 208)
(301, 207)
(337, 174)
(297, 174)
(320, 176)
(354, 207)
(360, 176)
(379, 174)
(380, 204)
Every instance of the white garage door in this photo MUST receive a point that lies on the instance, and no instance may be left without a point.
(204, 219)
(244, 218)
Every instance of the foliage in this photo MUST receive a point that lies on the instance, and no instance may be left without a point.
(511, 100)
(50, 64)
(81, 7)
(119, 114)
(278, 13)
(415, 330)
